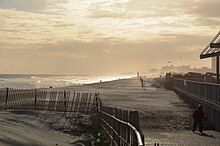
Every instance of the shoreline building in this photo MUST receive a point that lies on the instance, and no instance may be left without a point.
(183, 69)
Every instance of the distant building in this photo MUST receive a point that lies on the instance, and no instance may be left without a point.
(202, 70)
(183, 69)
(175, 69)
(154, 71)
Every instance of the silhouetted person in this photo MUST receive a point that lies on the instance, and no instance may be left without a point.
(142, 82)
(199, 117)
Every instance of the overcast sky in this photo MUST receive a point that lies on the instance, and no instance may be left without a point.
(104, 36)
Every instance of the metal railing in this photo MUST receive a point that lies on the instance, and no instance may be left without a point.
(206, 91)
(121, 126)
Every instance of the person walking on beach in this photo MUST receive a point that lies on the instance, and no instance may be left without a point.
(199, 117)
(142, 82)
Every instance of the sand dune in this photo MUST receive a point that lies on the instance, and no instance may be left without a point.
(41, 128)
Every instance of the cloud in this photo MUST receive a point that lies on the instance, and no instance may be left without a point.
(90, 57)
(106, 35)
(206, 8)
(88, 21)
(24, 5)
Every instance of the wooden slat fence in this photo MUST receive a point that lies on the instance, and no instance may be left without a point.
(121, 126)
(63, 101)
(2, 98)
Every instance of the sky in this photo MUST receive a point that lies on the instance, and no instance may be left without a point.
(104, 36)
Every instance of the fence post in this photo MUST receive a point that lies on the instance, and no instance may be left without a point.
(65, 102)
(90, 96)
(99, 101)
(6, 98)
(134, 120)
(96, 102)
(35, 99)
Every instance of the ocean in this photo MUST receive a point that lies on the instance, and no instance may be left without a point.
(30, 81)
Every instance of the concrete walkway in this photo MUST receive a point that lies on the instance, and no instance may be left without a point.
(183, 138)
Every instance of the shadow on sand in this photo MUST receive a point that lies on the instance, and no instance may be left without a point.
(23, 112)
(204, 134)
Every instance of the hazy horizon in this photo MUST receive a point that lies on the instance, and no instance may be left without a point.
(104, 36)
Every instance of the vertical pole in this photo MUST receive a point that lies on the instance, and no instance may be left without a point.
(35, 99)
(65, 102)
(90, 96)
(134, 120)
(6, 98)
(96, 102)
(217, 68)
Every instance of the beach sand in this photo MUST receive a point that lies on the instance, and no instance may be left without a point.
(158, 109)
(164, 117)
(44, 128)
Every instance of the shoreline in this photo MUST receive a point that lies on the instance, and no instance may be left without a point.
(38, 82)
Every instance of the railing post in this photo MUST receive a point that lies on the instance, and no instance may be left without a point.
(217, 69)
(6, 98)
(207, 92)
(119, 137)
(35, 99)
